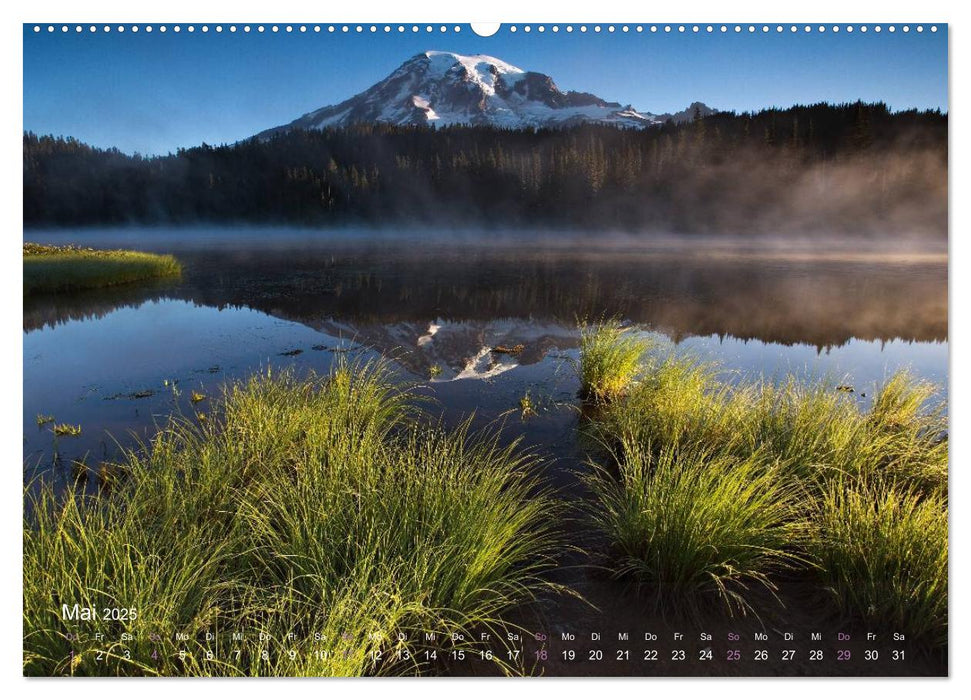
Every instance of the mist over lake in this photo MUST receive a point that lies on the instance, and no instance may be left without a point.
(252, 298)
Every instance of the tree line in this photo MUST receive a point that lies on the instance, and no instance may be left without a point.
(848, 168)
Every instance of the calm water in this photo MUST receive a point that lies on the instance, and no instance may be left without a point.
(118, 361)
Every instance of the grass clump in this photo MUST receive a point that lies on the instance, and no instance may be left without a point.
(679, 403)
(809, 428)
(308, 506)
(70, 268)
(66, 429)
(694, 526)
(913, 431)
(882, 554)
(843, 489)
(610, 360)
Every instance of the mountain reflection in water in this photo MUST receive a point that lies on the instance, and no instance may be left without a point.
(821, 301)
(121, 360)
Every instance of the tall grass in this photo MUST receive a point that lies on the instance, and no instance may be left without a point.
(811, 430)
(321, 506)
(842, 489)
(610, 360)
(679, 403)
(882, 554)
(69, 268)
(913, 430)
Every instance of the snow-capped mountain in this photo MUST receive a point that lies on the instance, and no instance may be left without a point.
(439, 88)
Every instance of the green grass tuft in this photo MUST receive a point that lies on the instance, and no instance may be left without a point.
(694, 527)
(882, 553)
(793, 472)
(70, 268)
(320, 505)
(610, 360)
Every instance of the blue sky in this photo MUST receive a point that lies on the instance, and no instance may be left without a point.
(154, 92)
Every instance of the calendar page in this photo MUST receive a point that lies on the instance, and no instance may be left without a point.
(437, 349)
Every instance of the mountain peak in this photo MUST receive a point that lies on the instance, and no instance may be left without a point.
(471, 64)
(440, 88)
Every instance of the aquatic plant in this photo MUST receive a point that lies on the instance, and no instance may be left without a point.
(70, 268)
(678, 402)
(66, 429)
(527, 406)
(43, 419)
(843, 487)
(812, 430)
(610, 360)
(882, 554)
(196, 397)
(692, 527)
(324, 504)
(908, 419)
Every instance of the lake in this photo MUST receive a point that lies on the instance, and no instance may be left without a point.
(119, 361)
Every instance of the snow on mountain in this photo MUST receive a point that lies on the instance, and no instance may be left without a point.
(440, 88)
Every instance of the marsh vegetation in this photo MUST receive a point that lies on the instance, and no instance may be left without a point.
(276, 515)
(321, 505)
(49, 268)
(610, 360)
(709, 489)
